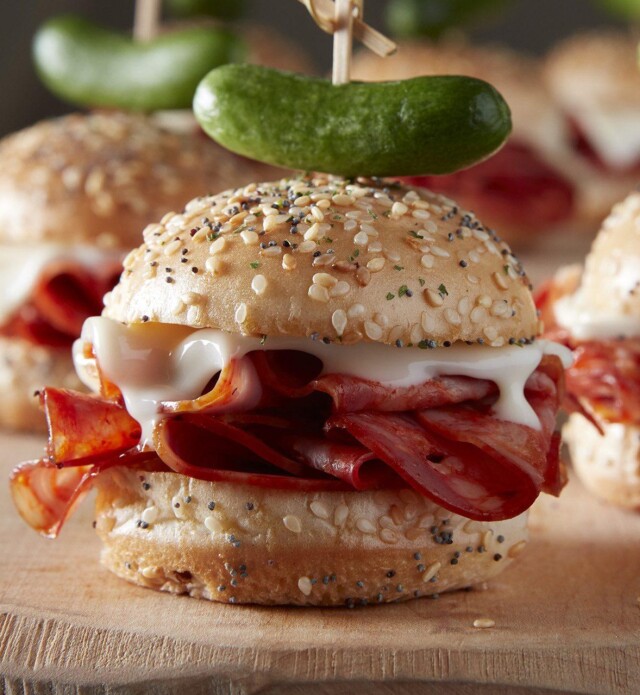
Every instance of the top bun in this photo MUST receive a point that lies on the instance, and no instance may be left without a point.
(99, 178)
(517, 77)
(611, 279)
(347, 261)
(606, 62)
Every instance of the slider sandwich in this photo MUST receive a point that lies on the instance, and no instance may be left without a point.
(339, 398)
(596, 312)
(74, 194)
(594, 80)
(521, 190)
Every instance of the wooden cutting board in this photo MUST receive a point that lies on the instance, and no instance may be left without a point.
(566, 620)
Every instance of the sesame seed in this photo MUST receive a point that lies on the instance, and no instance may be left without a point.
(313, 232)
(490, 332)
(484, 623)
(305, 586)
(452, 317)
(241, 313)
(361, 239)
(437, 251)
(478, 314)
(516, 549)
(363, 276)
(355, 311)
(271, 251)
(388, 536)
(259, 284)
(433, 298)
(218, 245)
(289, 261)
(317, 213)
(339, 321)
(292, 523)
(340, 515)
(500, 280)
(149, 515)
(376, 264)
(307, 246)
(373, 330)
(398, 209)
(431, 572)
(381, 319)
(342, 200)
(190, 298)
(324, 279)
(212, 524)
(340, 289)
(318, 293)
(149, 572)
(319, 509)
(213, 265)
(427, 261)
(250, 238)
(365, 526)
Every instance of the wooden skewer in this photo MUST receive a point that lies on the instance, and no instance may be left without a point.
(147, 19)
(323, 12)
(342, 41)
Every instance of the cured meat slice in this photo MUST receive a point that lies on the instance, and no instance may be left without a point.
(83, 425)
(456, 475)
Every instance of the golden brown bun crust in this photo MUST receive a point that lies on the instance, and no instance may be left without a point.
(608, 464)
(597, 68)
(25, 368)
(277, 547)
(518, 78)
(102, 177)
(610, 283)
(372, 263)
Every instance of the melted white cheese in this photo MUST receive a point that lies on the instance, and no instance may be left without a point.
(590, 325)
(21, 266)
(614, 134)
(151, 363)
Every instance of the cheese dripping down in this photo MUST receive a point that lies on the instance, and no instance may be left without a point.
(589, 325)
(151, 363)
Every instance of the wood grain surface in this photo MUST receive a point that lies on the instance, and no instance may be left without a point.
(566, 620)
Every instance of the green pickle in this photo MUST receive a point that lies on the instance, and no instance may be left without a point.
(432, 18)
(426, 125)
(85, 64)
(220, 9)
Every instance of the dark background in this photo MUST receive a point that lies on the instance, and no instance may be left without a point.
(531, 25)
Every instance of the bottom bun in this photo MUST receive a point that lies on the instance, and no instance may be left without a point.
(608, 464)
(244, 544)
(25, 368)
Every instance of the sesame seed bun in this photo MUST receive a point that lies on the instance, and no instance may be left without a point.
(100, 177)
(607, 463)
(366, 261)
(25, 368)
(242, 544)
(613, 265)
(591, 76)
(92, 180)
